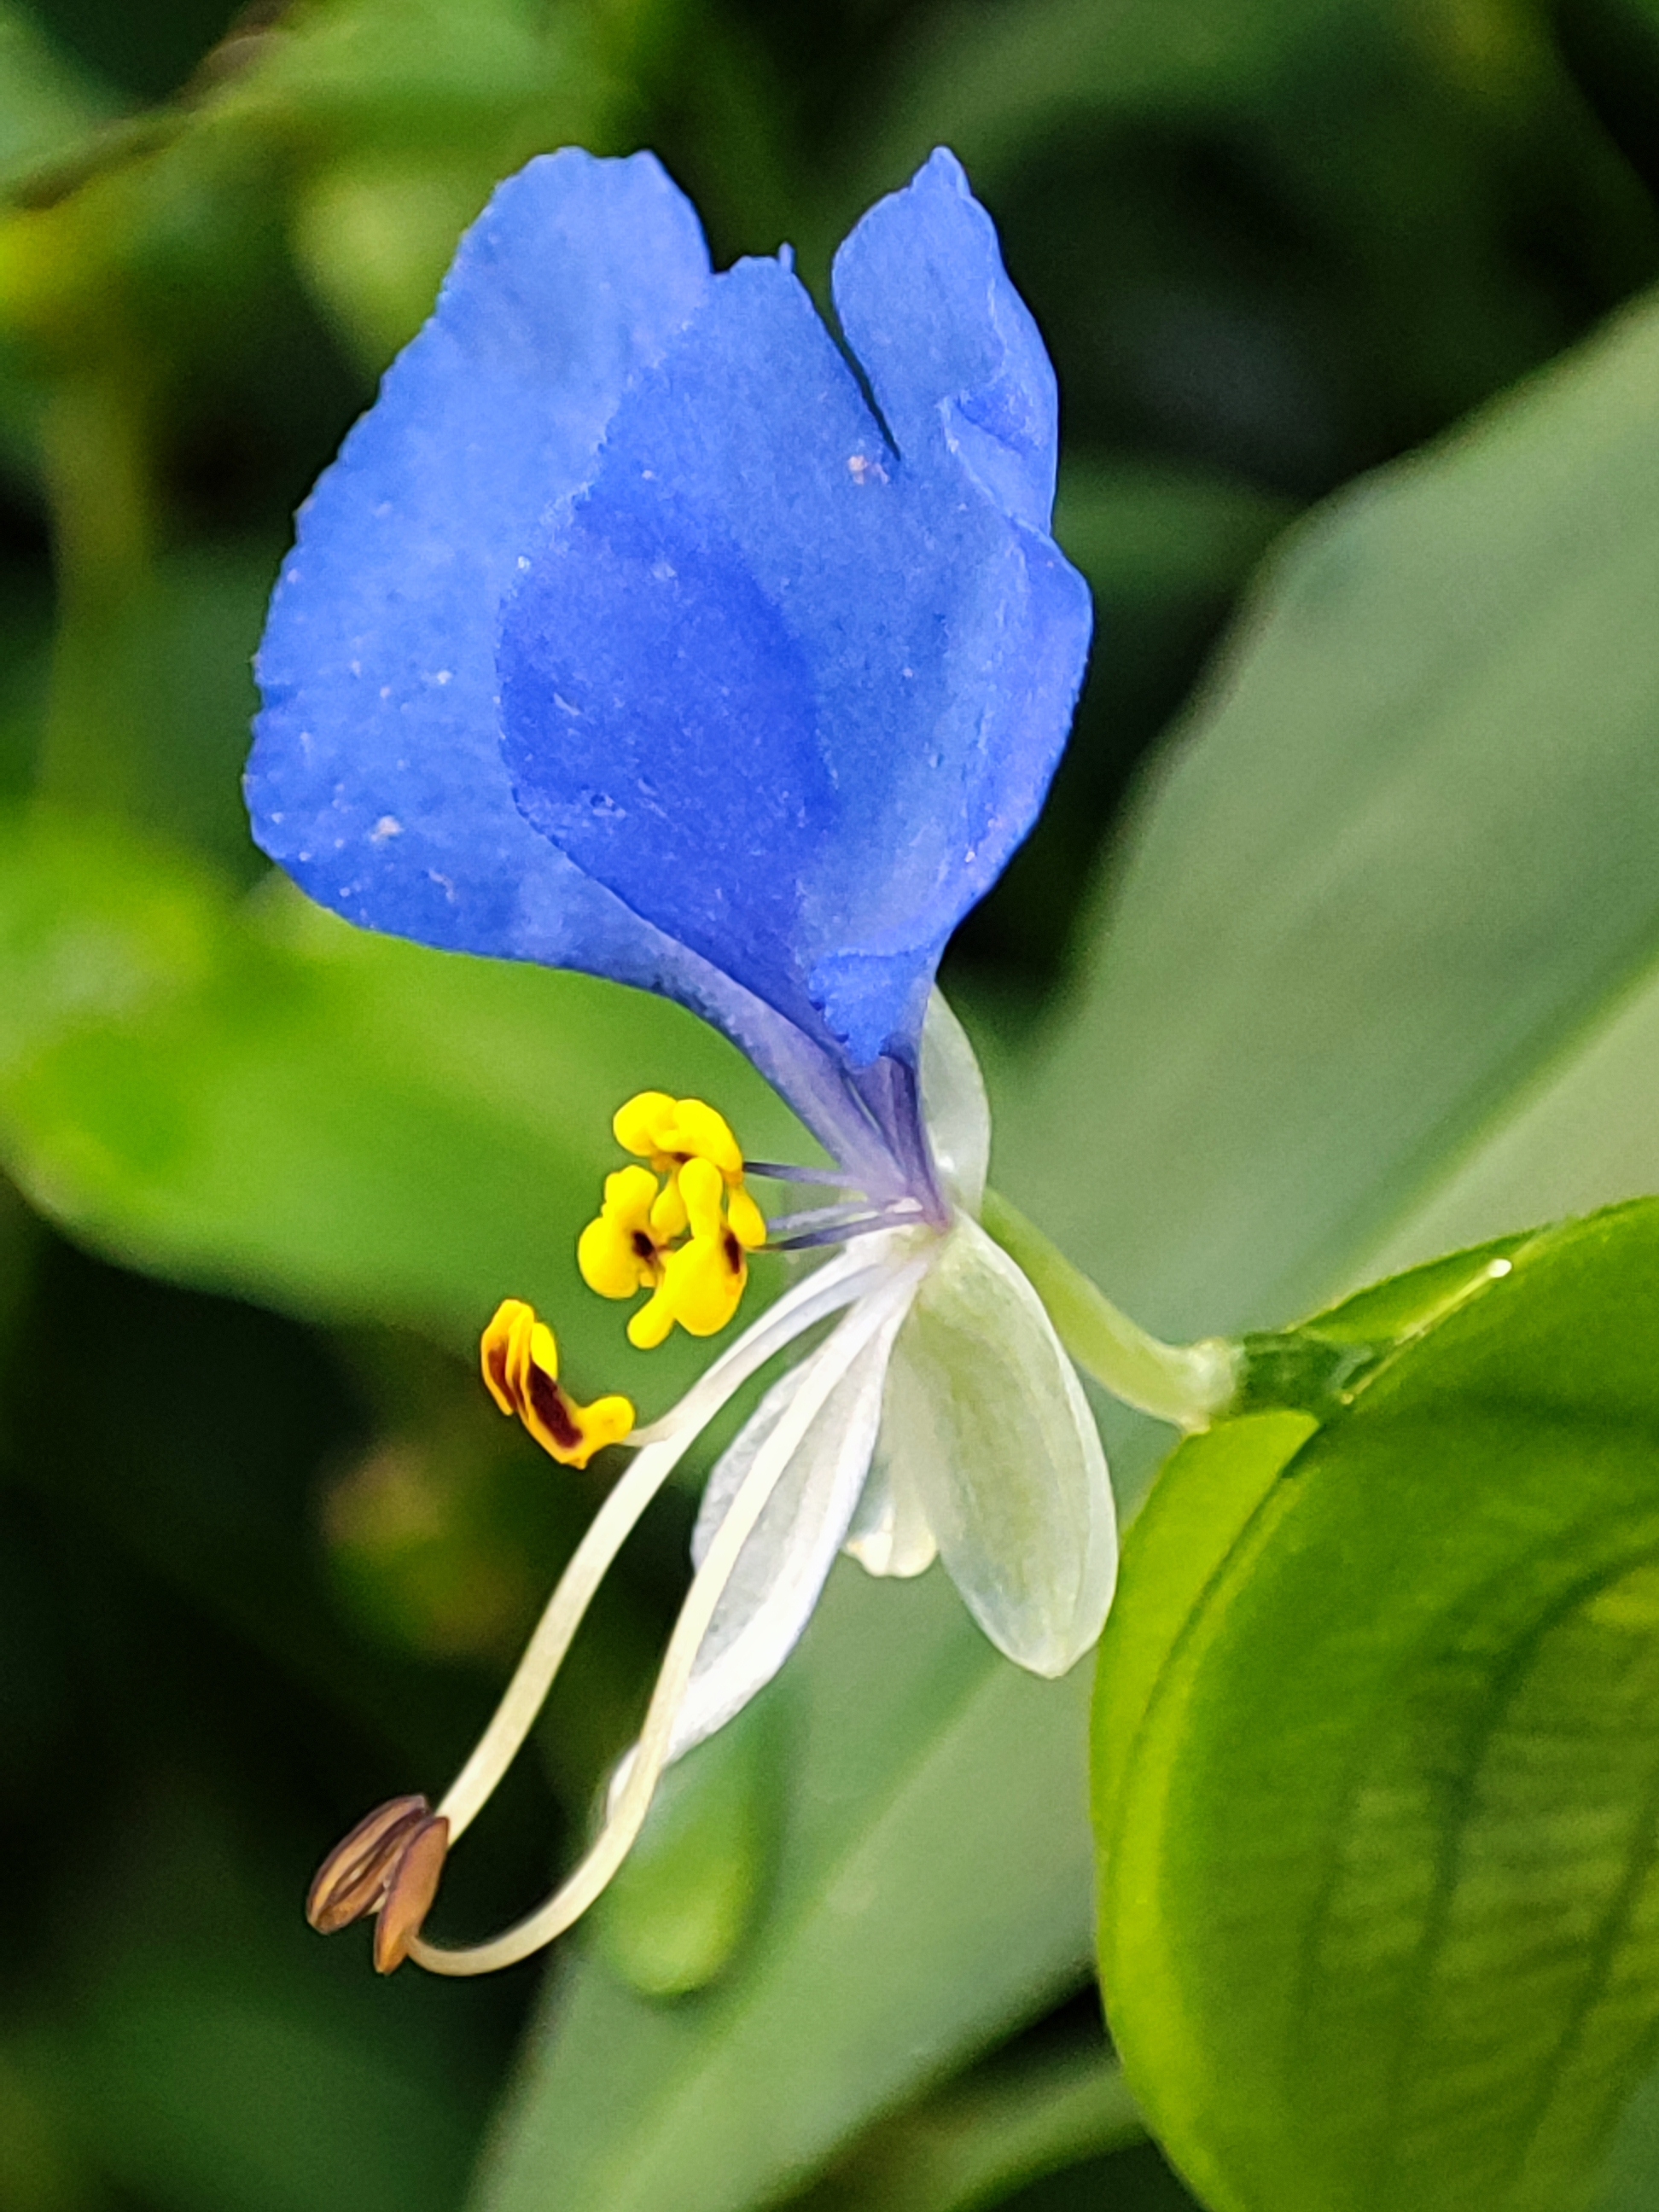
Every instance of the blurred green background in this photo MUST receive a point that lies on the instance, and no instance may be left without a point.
(265, 1553)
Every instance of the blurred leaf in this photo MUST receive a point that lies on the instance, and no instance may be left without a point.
(1368, 985)
(217, 2057)
(993, 2132)
(1022, 68)
(153, 695)
(404, 114)
(253, 1094)
(1144, 533)
(888, 1945)
(1612, 47)
(1378, 974)
(345, 73)
(1165, 548)
(1377, 1750)
(1288, 241)
(47, 103)
(41, 2167)
(374, 236)
(18, 1230)
(447, 1534)
(689, 1891)
(1630, 2175)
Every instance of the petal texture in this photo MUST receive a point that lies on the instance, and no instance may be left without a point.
(954, 359)
(954, 1106)
(888, 1534)
(986, 1418)
(782, 1568)
(791, 694)
(377, 779)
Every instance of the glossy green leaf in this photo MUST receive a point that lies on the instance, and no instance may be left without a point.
(1376, 1762)
(1369, 984)
(248, 1093)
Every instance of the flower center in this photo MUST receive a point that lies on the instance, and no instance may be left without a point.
(679, 1223)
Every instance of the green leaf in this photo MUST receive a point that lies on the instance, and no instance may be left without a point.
(1378, 1760)
(1001, 2128)
(1377, 973)
(210, 2053)
(247, 1093)
(47, 103)
(154, 698)
(1026, 68)
(867, 1973)
(689, 1891)
(1381, 976)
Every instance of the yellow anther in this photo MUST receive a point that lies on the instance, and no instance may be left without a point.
(669, 1131)
(623, 1251)
(747, 1222)
(633, 1245)
(703, 1279)
(520, 1357)
(668, 1218)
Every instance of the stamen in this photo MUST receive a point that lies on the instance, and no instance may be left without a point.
(893, 1218)
(520, 1358)
(774, 1171)
(785, 1226)
(704, 1278)
(390, 1865)
(816, 1217)
(634, 1244)
(409, 1893)
(352, 1879)
(573, 1896)
(660, 1448)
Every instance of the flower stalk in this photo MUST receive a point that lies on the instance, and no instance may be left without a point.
(1189, 1385)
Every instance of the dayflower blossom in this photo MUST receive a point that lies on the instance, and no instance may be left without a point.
(638, 629)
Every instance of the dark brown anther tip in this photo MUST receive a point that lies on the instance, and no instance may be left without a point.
(352, 1879)
(409, 1893)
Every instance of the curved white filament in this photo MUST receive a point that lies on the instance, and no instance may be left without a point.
(573, 1896)
(661, 1449)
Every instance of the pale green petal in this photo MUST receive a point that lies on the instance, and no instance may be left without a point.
(986, 1415)
(954, 1106)
(782, 1569)
(889, 1533)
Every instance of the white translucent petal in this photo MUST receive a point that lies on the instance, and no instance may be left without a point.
(954, 1106)
(782, 1569)
(889, 1533)
(987, 1416)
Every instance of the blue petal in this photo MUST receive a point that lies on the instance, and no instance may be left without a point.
(953, 357)
(792, 695)
(376, 779)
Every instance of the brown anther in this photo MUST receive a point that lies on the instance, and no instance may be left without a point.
(352, 1879)
(409, 1893)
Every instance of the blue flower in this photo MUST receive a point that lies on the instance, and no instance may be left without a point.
(639, 629)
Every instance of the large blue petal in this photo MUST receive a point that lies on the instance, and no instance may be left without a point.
(792, 695)
(377, 778)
